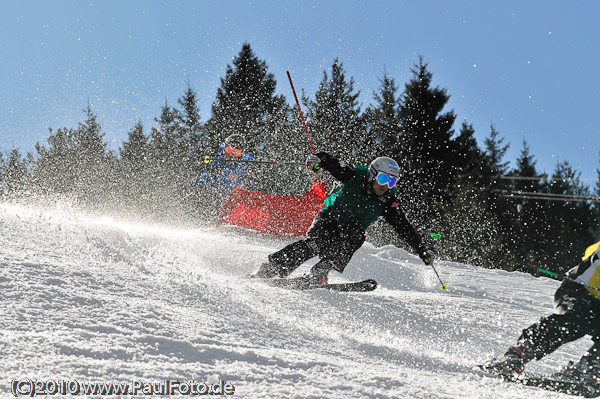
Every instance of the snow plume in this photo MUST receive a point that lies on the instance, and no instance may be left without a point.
(90, 298)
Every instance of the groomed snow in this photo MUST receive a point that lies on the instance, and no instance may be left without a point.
(98, 299)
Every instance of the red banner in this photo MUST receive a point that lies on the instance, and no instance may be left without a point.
(278, 215)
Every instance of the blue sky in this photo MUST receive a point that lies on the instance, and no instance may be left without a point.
(528, 67)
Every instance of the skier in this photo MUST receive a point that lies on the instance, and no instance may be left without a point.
(576, 313)
(225, 172)
(339, 228)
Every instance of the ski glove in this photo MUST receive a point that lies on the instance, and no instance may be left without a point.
(427, 257)
(313, 162)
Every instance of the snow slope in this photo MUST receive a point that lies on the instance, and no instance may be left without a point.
(97, 299)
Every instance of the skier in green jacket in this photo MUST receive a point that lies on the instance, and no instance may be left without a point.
(338, 230)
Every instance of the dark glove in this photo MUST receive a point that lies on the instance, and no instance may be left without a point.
(313, 162)
(427, 257)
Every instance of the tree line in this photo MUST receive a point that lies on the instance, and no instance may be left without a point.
(449, 184)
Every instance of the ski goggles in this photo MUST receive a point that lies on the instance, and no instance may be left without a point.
(229, 150)
(386, 180)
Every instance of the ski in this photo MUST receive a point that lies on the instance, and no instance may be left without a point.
(301, 283)
(550, 382)
(558, 384)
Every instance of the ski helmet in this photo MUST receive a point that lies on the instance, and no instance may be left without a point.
(593, 249)
(235, 140)
(384, 165)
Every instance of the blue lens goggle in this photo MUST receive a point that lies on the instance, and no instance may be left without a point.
(386, 180)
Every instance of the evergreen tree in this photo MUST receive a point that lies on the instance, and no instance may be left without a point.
(495, 151)
(470, 161)
(526, 168)
(76, 162)
(190, 114)
(595, 228)
(468, 217)
(246, 103)
(427, 152)
(598, 183)
(527, 240)
(171, 170)
(14, 174)
(135, 148)
(90, 139)
(166, 140)
(383, 123)
(192, 140)
(335, 119)
(93, 171)
(466, 212)
(135, 167)
(569, 220)
(54, 172)
(504, 210)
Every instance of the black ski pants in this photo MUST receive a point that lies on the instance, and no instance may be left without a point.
(576, 313)
(327, 238)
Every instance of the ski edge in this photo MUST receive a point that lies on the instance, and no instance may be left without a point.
(299, 283)
(546, 382)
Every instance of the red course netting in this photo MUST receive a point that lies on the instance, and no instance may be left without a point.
(278, 215)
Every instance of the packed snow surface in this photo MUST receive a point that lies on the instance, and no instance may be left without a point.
(88, 298)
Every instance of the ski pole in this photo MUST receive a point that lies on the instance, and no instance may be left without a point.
(558, 277)
(444, 286)
(548, 273)
(475, 248)
(208, 159)
(312, 149)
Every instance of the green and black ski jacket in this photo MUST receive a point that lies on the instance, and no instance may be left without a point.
(353, 204)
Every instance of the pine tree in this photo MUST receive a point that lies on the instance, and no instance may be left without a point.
(335, 118)
(598, 182)
(527, 240)
(595, 228)
(569, 222)
(495, 152)
(466, 212)
(134, 154)
(54, 171)
(426, 141)
(526, 168)
(470, 161)
(76, 162)
(90, 139)
(14, 174)
(192, 140)
(383, 123)
(427, 152)
(166, 140)
(190, 114)
(135, 170)
(93, 171)
(246, 103)
(505, 211)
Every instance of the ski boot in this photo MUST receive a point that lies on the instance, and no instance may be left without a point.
(267, 270)
(586, 370)
(512, 364)
(320, 272)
